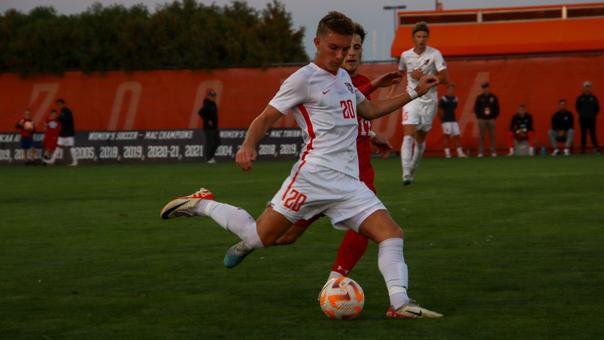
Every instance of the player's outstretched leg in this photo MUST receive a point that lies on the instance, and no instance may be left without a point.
(230, 218)
(237, 253)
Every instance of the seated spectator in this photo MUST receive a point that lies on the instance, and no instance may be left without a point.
(26, 130)
(562, 129)
(521, 129)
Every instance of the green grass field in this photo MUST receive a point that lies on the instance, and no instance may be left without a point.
(505, 248)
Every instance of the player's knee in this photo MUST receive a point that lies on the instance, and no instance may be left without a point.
(395, 232)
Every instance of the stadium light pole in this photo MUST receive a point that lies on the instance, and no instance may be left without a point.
(393, 9)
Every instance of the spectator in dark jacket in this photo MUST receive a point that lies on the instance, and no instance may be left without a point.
(486, 109)
(562, 129)
(587, 107)
(209, 115)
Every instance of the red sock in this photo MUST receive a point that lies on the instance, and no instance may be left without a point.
(351, 250)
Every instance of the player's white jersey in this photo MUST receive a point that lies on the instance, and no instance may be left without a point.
(430, 61)
(325, 109)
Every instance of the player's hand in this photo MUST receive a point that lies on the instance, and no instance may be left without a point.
(425, 84)
(383, 145)
(387, 79)
(245, 156)
(417, 74)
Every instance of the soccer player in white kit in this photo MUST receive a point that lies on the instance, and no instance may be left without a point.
(418, 114)
(325, 178)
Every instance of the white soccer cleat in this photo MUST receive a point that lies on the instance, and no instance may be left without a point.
(185, 205)
(411, 311)
(555, 152)
(566, 152)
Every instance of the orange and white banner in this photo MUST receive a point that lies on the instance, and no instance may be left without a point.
(157, 100)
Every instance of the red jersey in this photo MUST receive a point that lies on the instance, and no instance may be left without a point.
(51, 135)
(26, 134)
(366, 173)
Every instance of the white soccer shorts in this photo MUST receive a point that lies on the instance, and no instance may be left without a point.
(65, 141)
(312, 189)
(420, 114)
(450, 128)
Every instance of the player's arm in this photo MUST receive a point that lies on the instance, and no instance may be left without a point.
(443, 76)
(257, 130)
(377, 108)
(441, 68)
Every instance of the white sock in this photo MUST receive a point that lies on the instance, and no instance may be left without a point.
(406, 153)
(447, 152)
(459, 151)
(394, 270)
(74, 160)
(54, 156)
(418, 153)
(233, 219)
(334, 275)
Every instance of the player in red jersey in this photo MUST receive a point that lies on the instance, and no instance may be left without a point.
(51, 133)
(353, 245)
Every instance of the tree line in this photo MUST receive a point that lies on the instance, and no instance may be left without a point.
(177, 35)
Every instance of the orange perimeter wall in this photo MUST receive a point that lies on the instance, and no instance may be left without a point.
(170, 99)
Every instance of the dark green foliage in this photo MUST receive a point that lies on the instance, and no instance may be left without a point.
(178, 35)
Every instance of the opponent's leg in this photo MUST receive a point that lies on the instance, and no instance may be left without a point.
(254, 234)
(351, 250)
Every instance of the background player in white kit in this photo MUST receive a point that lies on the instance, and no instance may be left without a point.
(325, 179)
(418, 114)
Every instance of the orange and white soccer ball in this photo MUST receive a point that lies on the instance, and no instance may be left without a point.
(342, 298)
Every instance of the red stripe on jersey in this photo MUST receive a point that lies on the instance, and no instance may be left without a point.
(311, 134)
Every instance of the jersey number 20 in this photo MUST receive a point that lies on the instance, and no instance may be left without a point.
(347, 109)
